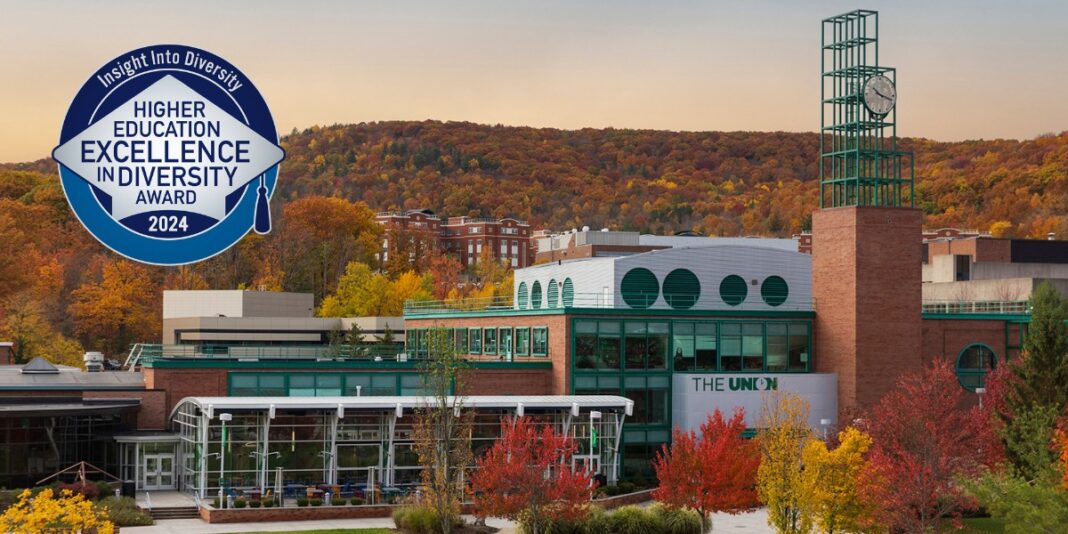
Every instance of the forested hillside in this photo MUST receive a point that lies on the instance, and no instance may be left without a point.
(61, 292)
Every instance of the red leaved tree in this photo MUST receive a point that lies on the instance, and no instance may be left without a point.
(924, 442)
(527, 476)
(711, 472)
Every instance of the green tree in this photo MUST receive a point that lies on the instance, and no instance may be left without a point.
(1043, 371)
(1034, 389)
(1025, 506)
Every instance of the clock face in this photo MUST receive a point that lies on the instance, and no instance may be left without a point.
(879, 95)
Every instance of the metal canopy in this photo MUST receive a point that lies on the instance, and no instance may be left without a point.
(528, 402)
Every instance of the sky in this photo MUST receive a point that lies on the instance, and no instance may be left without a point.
(975, 69)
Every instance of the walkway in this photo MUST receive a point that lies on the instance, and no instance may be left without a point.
(754, 522)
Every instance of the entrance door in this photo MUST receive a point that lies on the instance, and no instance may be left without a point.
(157, 472)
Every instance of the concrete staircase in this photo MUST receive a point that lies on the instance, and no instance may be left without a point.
(179, 512)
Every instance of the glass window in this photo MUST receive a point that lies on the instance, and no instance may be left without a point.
(731, 339)
(778, 347)
(973, 364)
(585, 344)
(476, 340)
(489, 341)
(461, 340)
(327, 385)
(383, 385)
(540, 341)
(522, 341)
(243, 386)
(357, 385)
(705, 346)
(799, 347)
(412, 385)
(753, 346)
(657, 343)
(302, 386)
(272, 385)
(634, 346)
(504, 341)
(650, 396)
(683, 346)
(608, 345)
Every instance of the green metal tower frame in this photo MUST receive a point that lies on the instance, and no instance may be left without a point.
(860, 164)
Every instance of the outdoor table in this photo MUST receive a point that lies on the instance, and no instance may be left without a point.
(314, 493)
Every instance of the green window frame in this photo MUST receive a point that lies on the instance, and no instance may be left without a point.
(475, 337)
(646, 345)
(774, 290)
(505, 340)
(522, 341)
(489, 340)
(461, 340)
(553, 295)
(569, 293)
(973, 364)
(539, 341)
(694, 346)
(523, 298)
(535, 295)
(681, 289)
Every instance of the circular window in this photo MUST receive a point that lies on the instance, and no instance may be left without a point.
(535, 295)
(640, 288)
(733, 290)
(973, 364)
(774, 290)
(523, 297)
(569, 293)
(681, 289)
(553, 294)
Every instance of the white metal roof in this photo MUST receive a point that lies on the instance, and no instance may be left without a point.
(529, 402)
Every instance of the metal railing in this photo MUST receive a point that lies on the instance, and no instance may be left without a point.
(373, 352)
(577, 300)
(977, 306)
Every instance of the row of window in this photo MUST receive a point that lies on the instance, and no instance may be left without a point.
(325, 384)
(692, 346)
(503, 341)
(556, 295)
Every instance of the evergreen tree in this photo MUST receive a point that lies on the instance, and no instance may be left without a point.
(1043, 372)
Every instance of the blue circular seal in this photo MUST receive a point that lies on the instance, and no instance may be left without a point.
(168, 155)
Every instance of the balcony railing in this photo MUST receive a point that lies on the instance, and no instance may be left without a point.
(578, 300)
(146, 352)
(977, 306)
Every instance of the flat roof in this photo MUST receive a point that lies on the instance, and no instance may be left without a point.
(534, 402)
(27, 409)
(68, 378)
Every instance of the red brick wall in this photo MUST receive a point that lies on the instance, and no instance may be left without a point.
(182, 383)
(866, 284)
(153, 412)
(944, 339)
(559, 378)
(507, 382)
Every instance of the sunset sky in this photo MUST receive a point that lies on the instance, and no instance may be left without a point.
(966, 69)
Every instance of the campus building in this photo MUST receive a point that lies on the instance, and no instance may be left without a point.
(416, 232)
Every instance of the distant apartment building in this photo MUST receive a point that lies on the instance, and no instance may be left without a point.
(413, 232)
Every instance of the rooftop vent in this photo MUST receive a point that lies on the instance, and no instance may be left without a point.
(39, 366)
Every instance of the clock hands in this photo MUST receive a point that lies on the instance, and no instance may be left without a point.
(880, 94)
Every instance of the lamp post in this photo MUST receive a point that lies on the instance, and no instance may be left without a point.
(224, 417)
(265, 456)
(825, 423)
(980, 392)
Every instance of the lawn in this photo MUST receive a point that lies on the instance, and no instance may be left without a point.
(983, 525)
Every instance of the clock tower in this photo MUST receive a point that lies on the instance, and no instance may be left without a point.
(866, 235)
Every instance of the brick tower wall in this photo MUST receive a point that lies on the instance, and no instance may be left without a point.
(866, 282)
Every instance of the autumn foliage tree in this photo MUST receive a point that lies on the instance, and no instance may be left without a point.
(120, 309)
(711, 471)
(781, 485)
(924, 443)
(831, 495)
(527, 476)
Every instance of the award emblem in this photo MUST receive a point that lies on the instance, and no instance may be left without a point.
(168, 155)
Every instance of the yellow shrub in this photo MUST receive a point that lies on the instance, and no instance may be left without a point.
(47, 514)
